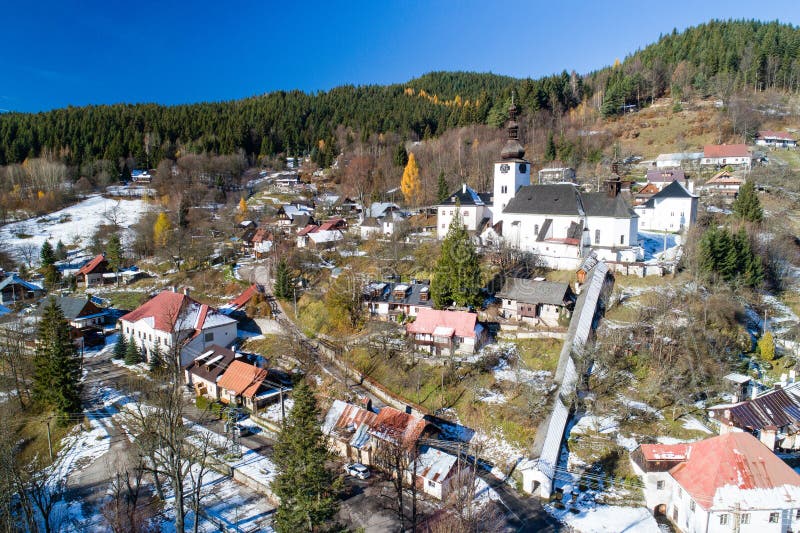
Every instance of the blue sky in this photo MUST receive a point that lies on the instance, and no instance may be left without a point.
(59, 53)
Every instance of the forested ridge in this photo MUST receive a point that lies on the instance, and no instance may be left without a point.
(717, 58)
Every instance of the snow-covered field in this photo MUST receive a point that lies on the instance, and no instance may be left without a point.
(74, 224)
(608, 519)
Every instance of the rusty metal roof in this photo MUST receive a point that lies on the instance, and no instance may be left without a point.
(776, 408)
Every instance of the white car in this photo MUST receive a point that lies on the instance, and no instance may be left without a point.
(357, 470)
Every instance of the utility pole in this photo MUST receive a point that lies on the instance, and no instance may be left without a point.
(49, 440)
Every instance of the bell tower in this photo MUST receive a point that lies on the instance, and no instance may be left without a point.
(513, 170)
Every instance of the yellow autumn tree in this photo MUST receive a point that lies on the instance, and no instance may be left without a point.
(410, 184)
(242, 209)
(161, 230)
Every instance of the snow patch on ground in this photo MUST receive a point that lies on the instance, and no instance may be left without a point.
(654, 245)
(694, 424)
(273, 412)
(73, 224)
(607, 519)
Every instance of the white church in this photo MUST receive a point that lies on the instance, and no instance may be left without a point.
(558, 222)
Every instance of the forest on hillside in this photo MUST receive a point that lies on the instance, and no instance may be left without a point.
(719, 58)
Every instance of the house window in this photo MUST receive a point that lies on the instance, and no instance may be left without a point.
(622, 239)
(431, 483)
(723, 519)
(209, 337)
(466, 213)
(691, 505)
(443, 226)
(659, 485)
(597, 236)
(536, 229)
(744, 518)
(503, 189)
(797, 515)
(774, 518)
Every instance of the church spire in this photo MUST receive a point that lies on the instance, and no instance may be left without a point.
(513, 149)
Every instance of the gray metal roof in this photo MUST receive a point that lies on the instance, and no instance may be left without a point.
(535, 292)
(600, 204)
(384, 292)
(558, 199)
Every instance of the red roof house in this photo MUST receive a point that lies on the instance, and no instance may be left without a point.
(244, 383)
(727, 154)
(92, 272)
(446, 331)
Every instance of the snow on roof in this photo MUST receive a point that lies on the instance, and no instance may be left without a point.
(679, 156)
(664, 452)
(737, 378)
(442, 331)
(433, 464)
(174, 311)
(428, 320)
(778, 135)
(736, 469)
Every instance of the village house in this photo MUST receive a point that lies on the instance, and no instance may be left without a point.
(723, 184)
(679, 160)
(381, 218)
(295, 216)
(177, 323)
(727, 483)
(645, 193)
(394, 301)
(723, 155)
(437, 472)
(92, 273)
(141, 177)
(246, 385)
(262, 242)
(347, 427)
(536, 301)
(663, 177)
(557, 174)
(776, 139)
(203, 372)
(446, 332)
(14, 289)
(773, 417)
(671, 209)
(86, 319)
(473, 208)
(324, 236)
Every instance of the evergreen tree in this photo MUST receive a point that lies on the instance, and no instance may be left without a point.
(283, 282)
(457, 275)
(61, 251)
(114, 254)
(121, 348)
(766, 346)
(57, 365)
(47, 255)
(400, 155)
(550, 150)
(307, 489)
(747, 205)
(442, 191)
(132, 353)
(156, 359)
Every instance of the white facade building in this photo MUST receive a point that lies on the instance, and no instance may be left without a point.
(672, 209)
(474, 209)
(174, 321)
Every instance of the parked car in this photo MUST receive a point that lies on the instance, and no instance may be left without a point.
(357, 470)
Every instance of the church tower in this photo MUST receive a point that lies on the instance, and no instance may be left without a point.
(512, 171)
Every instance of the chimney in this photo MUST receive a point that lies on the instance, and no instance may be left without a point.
(366, 403)
(463, 188)
(173, 288)
(186, 291)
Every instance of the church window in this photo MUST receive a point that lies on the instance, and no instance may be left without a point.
(536, 229)
(622, 239)
(503, 189)
(597, 236)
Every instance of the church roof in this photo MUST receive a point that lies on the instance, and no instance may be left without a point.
(600, 204)
(556, 199)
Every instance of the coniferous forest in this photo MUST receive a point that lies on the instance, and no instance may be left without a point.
(718, 58)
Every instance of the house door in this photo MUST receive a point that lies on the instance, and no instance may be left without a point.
(660, 510)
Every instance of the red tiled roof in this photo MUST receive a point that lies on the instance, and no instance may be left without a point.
(780, 135)
(333, 223)
(664, 452)
(725, 177)
(261, 235)
(736, 459)
(429, 319)
(165, 309)
(91, 265)
(726, 150)
(397, 426)
(241, 300)
(650, 188)
(311, 228)
(242, 378)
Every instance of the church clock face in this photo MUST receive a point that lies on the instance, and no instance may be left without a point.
(504, 168)
(522, 168)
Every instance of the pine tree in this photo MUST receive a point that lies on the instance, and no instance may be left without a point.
(442, 191)
(550, 150)
(61, 251)
(161, 230)
(120, 348)
(47, 255)
(57, 365)
(132, 354)
(283, 283)
(747, 205)
(400, 155)
(156, 359)
(457, 275)
(114, 254)
(307, 489)
(410, 184)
